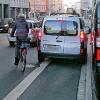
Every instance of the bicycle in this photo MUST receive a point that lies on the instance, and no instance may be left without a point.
(22, 55)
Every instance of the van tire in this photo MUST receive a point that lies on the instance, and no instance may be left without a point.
(83, 59)
(40, 57)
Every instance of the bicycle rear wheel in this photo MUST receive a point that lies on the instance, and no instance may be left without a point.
(22, 61)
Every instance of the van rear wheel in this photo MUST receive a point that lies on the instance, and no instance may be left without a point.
(40, 57)
(83, 59)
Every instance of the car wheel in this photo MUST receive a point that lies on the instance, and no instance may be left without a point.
(35, 43)
(83, 58)
(12, 44)
(40, 57)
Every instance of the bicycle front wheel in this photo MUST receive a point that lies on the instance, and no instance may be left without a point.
(22, 62)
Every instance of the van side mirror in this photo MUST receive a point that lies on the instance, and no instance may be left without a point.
(87, 30)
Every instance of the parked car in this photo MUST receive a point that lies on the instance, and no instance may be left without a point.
(63, 37)
(33, 30)
(95, 36)
(4, 24)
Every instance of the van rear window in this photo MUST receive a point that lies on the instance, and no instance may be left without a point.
(64, 28)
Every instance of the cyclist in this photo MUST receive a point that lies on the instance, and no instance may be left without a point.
(21, 29)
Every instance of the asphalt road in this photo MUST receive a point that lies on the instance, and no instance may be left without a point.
(58, 81)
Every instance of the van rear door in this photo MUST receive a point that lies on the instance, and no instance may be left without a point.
(71, 38)
(53, 40)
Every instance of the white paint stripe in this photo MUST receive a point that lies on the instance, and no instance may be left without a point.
(15, 93)
(82, 82)
(89, 75)
(85, 87)
(30, 66)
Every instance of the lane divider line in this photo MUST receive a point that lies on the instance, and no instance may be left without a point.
(82, 83)
(17, 91)
(85, 86)
(30, 66)
(88, 92)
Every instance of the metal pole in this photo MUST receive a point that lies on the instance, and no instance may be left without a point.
(2, 9)
(49, 7)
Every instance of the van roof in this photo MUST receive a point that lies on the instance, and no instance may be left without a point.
(33, 21)
(61, 17)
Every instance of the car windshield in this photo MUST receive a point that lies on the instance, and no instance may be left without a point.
(62, 27)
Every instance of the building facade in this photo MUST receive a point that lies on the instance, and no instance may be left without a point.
(55, 6)
(45, 7)
(11, 8)
(16, 6)
(38, 7)
(4, 6)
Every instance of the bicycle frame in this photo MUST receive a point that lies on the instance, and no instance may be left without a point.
(22, 56)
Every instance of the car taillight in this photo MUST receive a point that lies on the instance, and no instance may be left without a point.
(92, 37)
(82, 36)
(39, 35)
(98, 33)
(98, 54)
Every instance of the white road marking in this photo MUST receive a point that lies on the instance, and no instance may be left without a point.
(85, 87)
(17, 91)
(30, 66)
(82, 83)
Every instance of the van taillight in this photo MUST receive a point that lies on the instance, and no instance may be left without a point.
(98, 54)
(82, 36)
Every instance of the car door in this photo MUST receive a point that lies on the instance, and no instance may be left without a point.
(71, 38)
(52, 40)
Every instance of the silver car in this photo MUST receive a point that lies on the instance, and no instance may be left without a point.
(32, 24)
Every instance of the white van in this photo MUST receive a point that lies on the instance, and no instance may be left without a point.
(63, 37)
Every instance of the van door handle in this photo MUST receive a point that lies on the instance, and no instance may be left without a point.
(59, 41)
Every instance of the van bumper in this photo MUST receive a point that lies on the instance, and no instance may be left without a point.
(69, 56)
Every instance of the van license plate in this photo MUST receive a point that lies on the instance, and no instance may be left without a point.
(52, 47)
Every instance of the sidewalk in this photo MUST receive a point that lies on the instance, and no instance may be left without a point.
(86, 89)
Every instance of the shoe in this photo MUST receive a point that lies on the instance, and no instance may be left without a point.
(16, 61)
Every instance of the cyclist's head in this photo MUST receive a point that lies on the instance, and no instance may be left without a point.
(21, 15)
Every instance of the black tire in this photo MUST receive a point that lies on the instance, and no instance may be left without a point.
(40, 57)
(84, 57)
(12, 44)
(22, 63)
(33, 44)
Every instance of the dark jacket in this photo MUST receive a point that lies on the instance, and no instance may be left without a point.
(21, 27)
